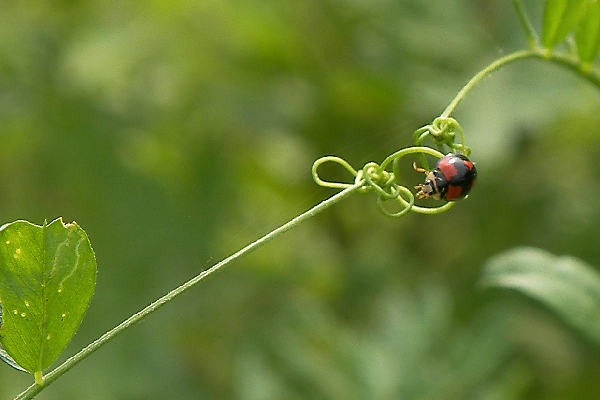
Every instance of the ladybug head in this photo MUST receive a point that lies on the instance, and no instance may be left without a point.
(435, 186)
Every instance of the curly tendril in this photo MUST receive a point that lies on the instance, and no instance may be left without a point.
(376, 178)
(443, 132)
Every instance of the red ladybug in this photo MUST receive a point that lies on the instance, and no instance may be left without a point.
(452, 178)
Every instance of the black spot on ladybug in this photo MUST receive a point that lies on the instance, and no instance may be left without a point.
(452, 178)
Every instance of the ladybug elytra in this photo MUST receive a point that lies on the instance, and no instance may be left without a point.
(452, 178)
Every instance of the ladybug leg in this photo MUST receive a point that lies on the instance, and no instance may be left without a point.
(429, 187)
(420, 194)
(418, 169)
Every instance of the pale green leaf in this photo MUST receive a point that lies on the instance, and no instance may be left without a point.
(565, 284)
(587, 35)
(47, 278)
(4, 355)
(560, 18)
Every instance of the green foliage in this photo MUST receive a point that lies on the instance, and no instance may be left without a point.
(47, 278)
(560, 18)
(567, 285)
(588, 33)
(410, 351)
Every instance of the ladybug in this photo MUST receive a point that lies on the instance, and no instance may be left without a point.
(452, 178)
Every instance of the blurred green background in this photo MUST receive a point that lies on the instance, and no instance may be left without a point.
(176, 132)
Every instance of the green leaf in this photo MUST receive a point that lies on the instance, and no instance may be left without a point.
(560, 18)
(47, 278)
(587, 36)
(566, 285)
(4, 355)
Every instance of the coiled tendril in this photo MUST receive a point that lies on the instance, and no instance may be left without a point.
(376, 178)
(442, 132)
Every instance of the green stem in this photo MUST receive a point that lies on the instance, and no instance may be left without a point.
(34, 389)
(525, 23)
(572, 63)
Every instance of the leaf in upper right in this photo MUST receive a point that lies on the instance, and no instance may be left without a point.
(587, 35)
(560, 18)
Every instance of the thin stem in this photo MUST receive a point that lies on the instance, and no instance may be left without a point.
(34, 389)
(526, 24)
(572, 63)
(499, 63)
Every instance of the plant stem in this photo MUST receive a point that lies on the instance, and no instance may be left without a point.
(34, 389)
(525, 23)
(572, 63)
